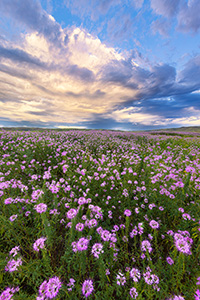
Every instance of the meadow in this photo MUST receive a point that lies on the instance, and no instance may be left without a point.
(99, 215)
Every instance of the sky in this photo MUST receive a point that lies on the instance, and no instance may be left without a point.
(109, 64)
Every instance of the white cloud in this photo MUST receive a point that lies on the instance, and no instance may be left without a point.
(73, 127)
(133, 116)
(56, 92)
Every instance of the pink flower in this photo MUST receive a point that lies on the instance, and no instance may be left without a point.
(13, 217)
(154, 224)
(133, 293)
(40, 208)
(39, 244)
(87, 288)
(127, 213)
(12, 265)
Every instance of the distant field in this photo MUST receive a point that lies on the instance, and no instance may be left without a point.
(99, 215)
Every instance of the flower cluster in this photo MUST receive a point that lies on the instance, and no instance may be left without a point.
(80, 245)
(8, 293)
(146, 246)
(151, 279)
(183, 242)
(13, 264)
(40, 208)
(71, 284)
(121, 279)
(97, 249)
(135, 274)
(87, 288)
(133, 293)
(49, 289)
(39, 244)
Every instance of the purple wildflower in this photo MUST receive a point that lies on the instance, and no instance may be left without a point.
(12, 218)
(127, 213)
(82, 244)
(97, 249)
(169, 260)
(146, 246)
(135, 274)
(80, 226)
(12, 265)
(40, 208)
(71, 284)
(197, 295)
(105, 235)
(72, 213)
(87, 287)
(133, 293)
(14, 251)
(53, 286)
(154, 224)
(39, 244)
(8, 293)
(121, 279)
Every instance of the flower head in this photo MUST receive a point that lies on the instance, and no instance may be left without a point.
(154, 224)
(133, 293)
(87, 287)
(40, 208)
(39, 244)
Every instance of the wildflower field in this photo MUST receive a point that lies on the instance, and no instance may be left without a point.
(99, 215)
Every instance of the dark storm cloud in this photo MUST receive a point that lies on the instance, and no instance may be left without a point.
(31, 14)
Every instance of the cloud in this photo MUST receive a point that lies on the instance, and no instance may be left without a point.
(92, 8)
(190, 75)
(137, 3)
(120, 26)
(87, 83)
(20, 56)
(166, 8)
(186, 13)
(188, 17)
(83, 73)
(31, 14)
(131, 115)
(161, 26)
